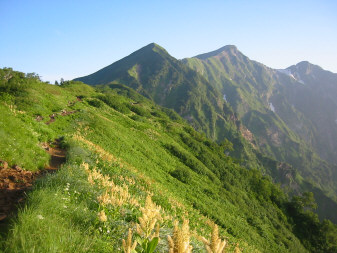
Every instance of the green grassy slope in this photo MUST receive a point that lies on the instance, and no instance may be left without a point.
(144, 150)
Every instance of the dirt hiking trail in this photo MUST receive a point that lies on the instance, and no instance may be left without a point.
(15, 182)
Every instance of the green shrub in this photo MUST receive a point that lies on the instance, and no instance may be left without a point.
(12, 82)
(140, 111)
(115, 103)
(172, 114)
(137, 118)
(182, 174)
(187, 159)
(95, 102)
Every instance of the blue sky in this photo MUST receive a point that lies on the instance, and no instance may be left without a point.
(74, 38)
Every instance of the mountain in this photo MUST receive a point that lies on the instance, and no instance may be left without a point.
(155, 74)
(274, 106)
(314, 95)
(152, 72)
(131, 163)
(228, 96)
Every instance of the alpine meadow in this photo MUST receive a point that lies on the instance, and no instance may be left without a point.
(213, 153)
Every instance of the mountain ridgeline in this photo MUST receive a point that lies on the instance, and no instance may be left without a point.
(152, 72)
(291, 112)
(282, 122)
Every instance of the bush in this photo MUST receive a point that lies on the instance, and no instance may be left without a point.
(182, 174)
(186, 158)
(158, 114)
(172, 114)
(115, 103)
(95, 103)
(137, 118)
(12, 82)
(140, 111)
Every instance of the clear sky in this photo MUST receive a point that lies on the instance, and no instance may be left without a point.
(68, 38)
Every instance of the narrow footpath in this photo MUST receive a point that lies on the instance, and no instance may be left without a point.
(16, 182)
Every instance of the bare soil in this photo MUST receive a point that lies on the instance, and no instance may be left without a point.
(15, 182)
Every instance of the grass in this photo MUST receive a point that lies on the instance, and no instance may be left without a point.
(19, 140)
(53, 221)
(115, 162)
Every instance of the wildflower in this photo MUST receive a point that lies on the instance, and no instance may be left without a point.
(134, 202)
(237, 249)
(150, 215)
(215, 245)
(128, 246)
(116, 196)
(102, 217)
(86, 166)
(180, 241)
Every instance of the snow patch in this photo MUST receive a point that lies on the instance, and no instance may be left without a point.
(272, 108)
(298, 78)
(294, 76)
(300, 81)
(286, 72)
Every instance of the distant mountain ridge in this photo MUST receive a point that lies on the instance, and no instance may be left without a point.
(217, 52)
(228, 96)
(316, 100)
(260, 94)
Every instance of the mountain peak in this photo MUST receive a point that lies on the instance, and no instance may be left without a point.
(304, 65)
(149, 55)
(153, 44)
(154, 47)
(304, 68)
(229, 49)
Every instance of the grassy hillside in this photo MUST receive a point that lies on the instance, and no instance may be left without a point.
(124, 154)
